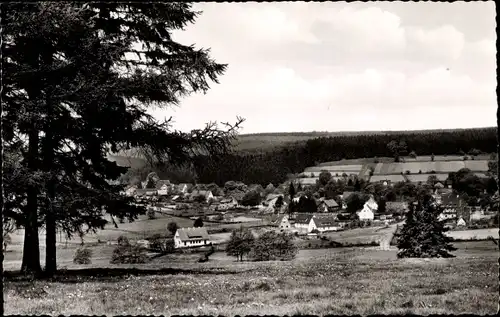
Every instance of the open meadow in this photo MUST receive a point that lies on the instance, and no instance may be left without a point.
(323, 281)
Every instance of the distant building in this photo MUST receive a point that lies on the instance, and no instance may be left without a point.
(205, 193)
(282, 222)
(304, 223)
(130, 190)
(461, 222)
(368, 211)
(323, 224)
(191, 237)
(183, 188)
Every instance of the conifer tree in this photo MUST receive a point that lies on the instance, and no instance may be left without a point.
(73, 94)
(422, 235)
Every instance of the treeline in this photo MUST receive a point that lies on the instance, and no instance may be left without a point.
(274, 166)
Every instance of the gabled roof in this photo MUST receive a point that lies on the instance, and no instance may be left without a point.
(227, 200)
(272, 196)
(345, 195)
(193, 233)
(303, 218)
(438, 185)
(200, 193)
(277, 219)
(443, 191)
(144, 191)
(325, 222)
(331, 203)
(160, 183)
(396, 205)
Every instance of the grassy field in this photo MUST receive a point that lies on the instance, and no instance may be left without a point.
(476, 234)
(331, 281)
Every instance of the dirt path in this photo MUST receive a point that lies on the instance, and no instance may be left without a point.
(385, 243)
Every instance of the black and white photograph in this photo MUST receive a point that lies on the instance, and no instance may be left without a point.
(249, 158)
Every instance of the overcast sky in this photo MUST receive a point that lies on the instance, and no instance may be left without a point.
(338, 66)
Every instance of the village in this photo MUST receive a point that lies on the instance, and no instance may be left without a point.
(237, 204)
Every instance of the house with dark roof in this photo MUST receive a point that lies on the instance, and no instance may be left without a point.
(145, 192)
(303, 222)
(191, 237)
(328, 205)
(323, 224)
(205, 193)
(344, 197)
(282, 222)
(163, 187)
(183, 188)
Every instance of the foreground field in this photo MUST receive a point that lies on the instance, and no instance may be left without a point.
(334, 281)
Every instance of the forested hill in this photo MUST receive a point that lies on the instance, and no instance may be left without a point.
(263, 142)
(273, 165)
(269, 157)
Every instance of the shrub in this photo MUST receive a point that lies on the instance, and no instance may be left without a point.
(172, 227)
(198, 223)
(123, 241)
(83, 256)
(151, 213)
(157, 243)
(129, 254)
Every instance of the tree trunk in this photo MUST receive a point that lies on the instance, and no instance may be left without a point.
(31, 251)
(50, 225)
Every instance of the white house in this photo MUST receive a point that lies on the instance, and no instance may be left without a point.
(283, 222)
(461, 222)
(227, 203)
(323, 224)
(163, 190)
(183, 188)
(448, 213)
(205, 193)
(130, 191)
(191, 237)
(368, 211)
(304, 223)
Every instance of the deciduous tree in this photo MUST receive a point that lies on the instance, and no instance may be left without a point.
(240, 243)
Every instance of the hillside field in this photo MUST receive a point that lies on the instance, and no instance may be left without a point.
(386, 169)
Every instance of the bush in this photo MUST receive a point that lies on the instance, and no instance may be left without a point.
(151, 213)
(83, 256)
(129, 254)
(123, 241)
